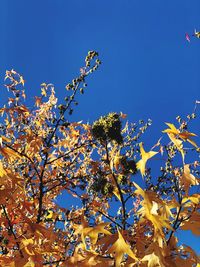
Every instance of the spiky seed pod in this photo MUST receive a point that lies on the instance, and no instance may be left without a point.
(108, 128)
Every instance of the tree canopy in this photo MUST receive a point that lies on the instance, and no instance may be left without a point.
(130, 208)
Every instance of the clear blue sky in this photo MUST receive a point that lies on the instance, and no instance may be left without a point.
(148, 70)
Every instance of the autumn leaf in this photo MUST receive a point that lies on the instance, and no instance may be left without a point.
(119, 248)
(30, 263)
(93, 232)
(185, 136)
(22, 81)
(187, 179)
(9, 153)
(44, 89)
(145, 156)
(191, 260)
(171, 130)
(116, 193)
(38, 101)
(195, 198)
(84, 230)
(28, 246)
(153, 260)
(178, 144)
(2, 170)
(116, 159)
(155, 211)
(49, 215)
(192, 223)
(122, 115)
(5, 139)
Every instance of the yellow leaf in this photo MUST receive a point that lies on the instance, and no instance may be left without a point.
(93, 232)
(149, 210)
(178, 144)
(3, 138)
(8, 152)
(153, 260)
(30, 263)
(2, 170)
(139, 190)
(117, 161)
(119, 248)
(185, 136)
(43, 91)
(194, 199)
(154, 209)
(21, 80)
(188, 179)
(117, 194)
(172, 129)
(28, 246)
(158, 143)
(50, 214)
(145, 156)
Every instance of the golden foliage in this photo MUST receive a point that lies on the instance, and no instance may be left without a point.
(117, 221)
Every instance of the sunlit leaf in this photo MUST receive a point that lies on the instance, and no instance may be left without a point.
(145, 156)
(119, 248)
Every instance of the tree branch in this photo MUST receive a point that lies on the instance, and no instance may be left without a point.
(11, 230)
(119, 190)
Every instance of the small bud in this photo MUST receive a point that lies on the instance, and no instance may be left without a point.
(68, 86)
(61, 107)
(74, 82)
